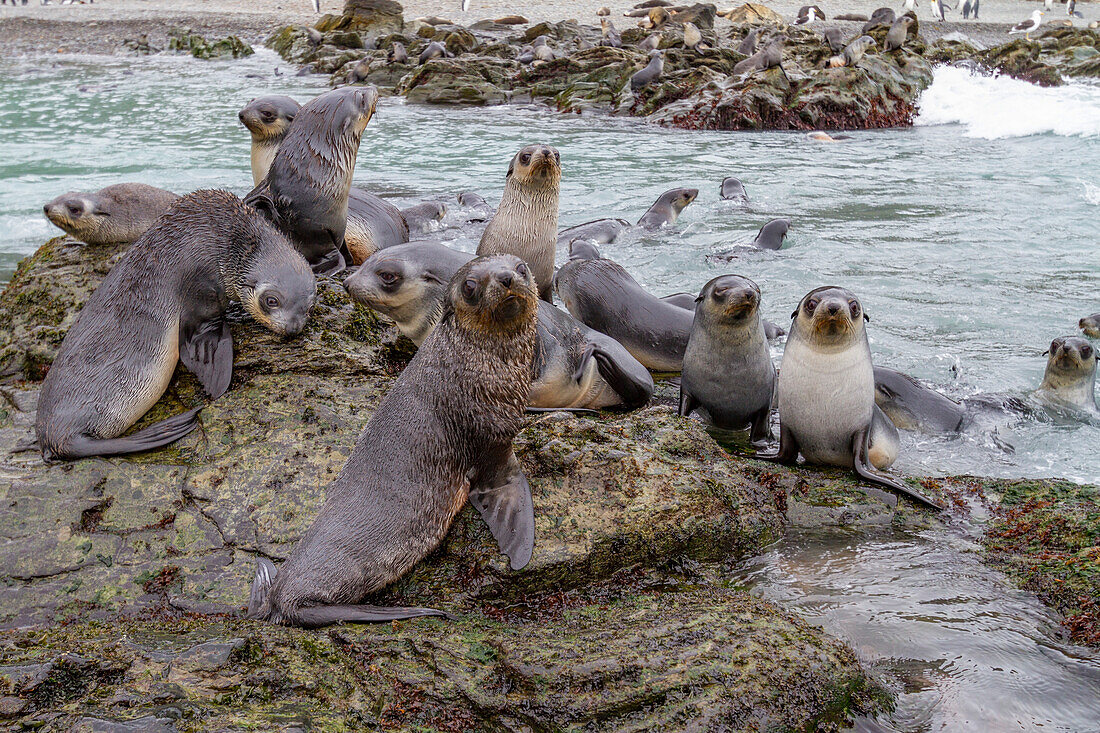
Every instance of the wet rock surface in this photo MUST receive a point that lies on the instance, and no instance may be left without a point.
(698, 89)
(182, 40)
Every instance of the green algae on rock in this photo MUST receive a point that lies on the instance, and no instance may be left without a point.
(184, 41)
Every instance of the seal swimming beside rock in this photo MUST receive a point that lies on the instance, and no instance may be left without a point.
(112, 215)
(826, 392)
(526, 222)
(1070, 376)
(728, 375)
(912, 406)
(165, 302)
(443, 433)
(372, 222)
(666, 209)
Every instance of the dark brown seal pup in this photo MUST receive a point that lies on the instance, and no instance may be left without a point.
(112, 215)
(444, 432)
(526, 222)
(165, 302)
(306, 190)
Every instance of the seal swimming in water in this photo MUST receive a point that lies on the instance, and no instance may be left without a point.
(733, 190)
(419, 218)
(1070, 376)
(526, 222)
(772, 234)
(574, 366)
(165, 302)
(600, 231)
(1090, 325)
(479, 207)
(443, 433)
(728, 375)
(305, 193)
(912, 406)
(826, 392)
(372, 222)
(603, 296)
(666, 209)
(116, 214)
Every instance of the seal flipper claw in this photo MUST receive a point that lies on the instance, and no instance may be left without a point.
(861, 464)
(503, 498)
(634, 390)
(208, 354)
(582, 362)
(155, 436)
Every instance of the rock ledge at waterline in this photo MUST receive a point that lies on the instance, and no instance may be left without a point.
(122, 577)
(697, 90)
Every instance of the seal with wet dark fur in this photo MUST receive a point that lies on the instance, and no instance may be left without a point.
(666, 209)
(443, 433)
(912, 406)
(733, 190)
(1070, 377)
(305, 193)
(574, 366)
(165, 302)
(526, 222)
(113, 215)
(826, 392)
(372, 222)
(728, 375)
(772, 234)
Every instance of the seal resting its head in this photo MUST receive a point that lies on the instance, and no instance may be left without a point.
(116, 214)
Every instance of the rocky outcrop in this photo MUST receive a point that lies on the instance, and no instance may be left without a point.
(184, 41)
(372, 16)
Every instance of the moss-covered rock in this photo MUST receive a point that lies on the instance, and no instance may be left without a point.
(184, 41)
(372, 16)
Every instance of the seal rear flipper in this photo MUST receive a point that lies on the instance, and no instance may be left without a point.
(634, 389)
(788, 448)
(261, 587)
(208, 354)
(503, 498)
(154, 436)
(312, 617)
(331, 263)
(687, 402)
(862, 465)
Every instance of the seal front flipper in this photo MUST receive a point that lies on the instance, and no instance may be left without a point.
(261, 588)
(761, 429)
(503, 498)
(634, 389)
(208, 353)
(862, 465)
(154, 436)
(687, 402)
(788, 448)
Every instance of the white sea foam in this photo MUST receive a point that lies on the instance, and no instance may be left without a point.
(1000, 107)
(1092, 192)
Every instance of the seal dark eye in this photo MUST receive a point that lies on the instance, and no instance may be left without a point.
(271, 302)
(1086, 351)
(75, 210)
(469, 288)
(521, 268)
(387, 277)
(525, 158)
(811, 305)
(854, 306)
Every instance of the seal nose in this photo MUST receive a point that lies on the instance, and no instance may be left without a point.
(46, 209)
(240, 116)
(833, 308)
(505, 279)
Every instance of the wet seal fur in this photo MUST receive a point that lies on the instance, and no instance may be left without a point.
(574, 366)
(116, 214)
(165, 302)
(372, 222)
(912, 406)
(1070, 376)
(305, 193)
(728, 375)
(526, 222)
(666, 209)
(443, 433)
(827, 408)
(1090, 325)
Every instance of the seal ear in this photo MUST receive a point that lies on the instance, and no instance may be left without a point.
(866, 317)
(795, 313)
(265, 205)
(429, 275)
(511, 168)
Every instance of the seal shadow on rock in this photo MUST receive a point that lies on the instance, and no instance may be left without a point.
(165, 302)
(441, 435)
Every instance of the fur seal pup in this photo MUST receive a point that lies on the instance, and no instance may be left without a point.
(372, 222)
(693, 37)
(305, 193)
(772, 234)
(769, 56)
(610, 34)
(526, 222)
(600, 231)
(666, 209)
(443, 433)
(834, 38)
(267, 119)
(689, 301)
(747, 47)
(912, 406)
(434, 50)
(397, 54)
(479, 209)
(116, 214)
(1090, 325)
(419, 218)
(881, 17)
(649, 74)
(733, 190)
(827, 408)
(574, 366)
(650, 43)
(728, 375)
(603, 296)
(899, 31)
(853, 52)
(165, 302)
(1070, 376)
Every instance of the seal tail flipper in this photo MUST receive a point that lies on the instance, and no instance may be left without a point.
(862, 466)
(261, 587)
(154, 436)
(634, 389)
(312, 617)
(503, 498)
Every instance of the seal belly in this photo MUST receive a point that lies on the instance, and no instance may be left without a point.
(145, 384)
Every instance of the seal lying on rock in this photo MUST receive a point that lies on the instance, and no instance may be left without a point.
(165, 302)
(526, 222)
(574, 366)
(372, 222)
(827, 408)
(443, 433)
(305, 193)
(112, 215)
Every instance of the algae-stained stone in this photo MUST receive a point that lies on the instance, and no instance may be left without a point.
(754, 13)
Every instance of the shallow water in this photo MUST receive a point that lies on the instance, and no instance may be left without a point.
(961, 648)
(970, 239)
